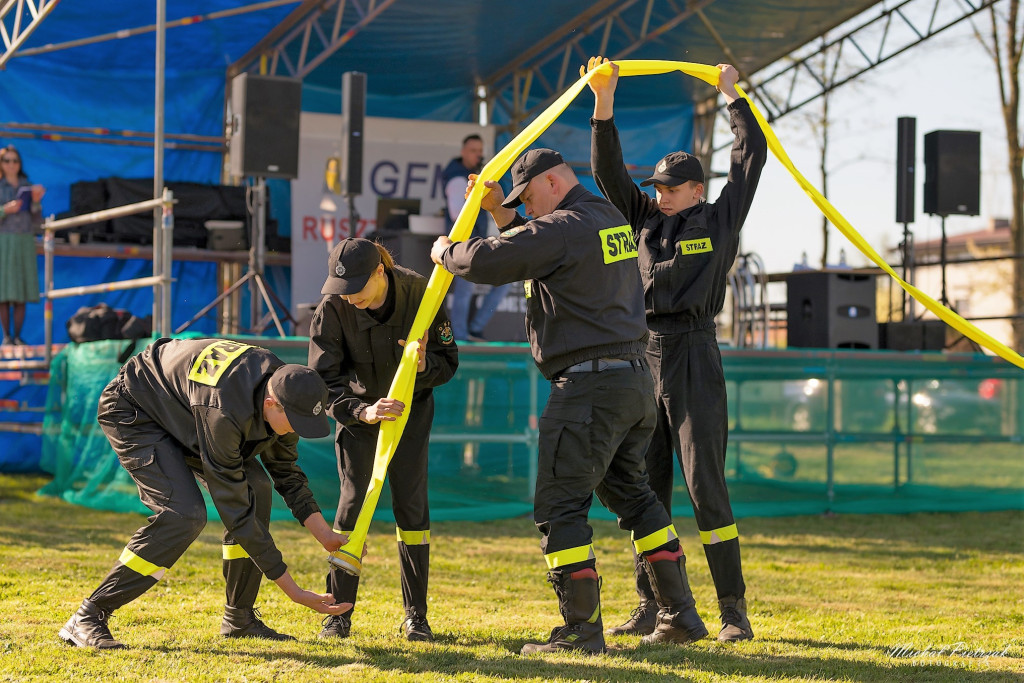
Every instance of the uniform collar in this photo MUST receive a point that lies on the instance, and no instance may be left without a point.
(571, 197)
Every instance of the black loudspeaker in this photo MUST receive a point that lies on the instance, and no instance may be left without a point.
(913, 335)
(830, 310)
(353, 103)
(264, 138)
(906, 152)
(952, 172)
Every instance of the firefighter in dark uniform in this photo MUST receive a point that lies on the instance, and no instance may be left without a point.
(686, 250)
(355, 344)
(188, 409)
(586, 329)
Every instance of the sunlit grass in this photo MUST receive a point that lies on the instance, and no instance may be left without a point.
(850, 598)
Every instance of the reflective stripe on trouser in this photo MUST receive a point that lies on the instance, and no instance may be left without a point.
(241, 575)
(593, 433)
(693, 421)
(582, 555)
(407, 479)
(156, 463)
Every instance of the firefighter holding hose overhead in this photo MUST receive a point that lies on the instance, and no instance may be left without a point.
(686, 248)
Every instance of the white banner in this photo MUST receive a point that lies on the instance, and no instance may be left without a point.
(402, 158)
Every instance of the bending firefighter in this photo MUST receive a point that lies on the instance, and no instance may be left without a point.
(204, 409)
(586, 329)
(686, 248)
(355, 345)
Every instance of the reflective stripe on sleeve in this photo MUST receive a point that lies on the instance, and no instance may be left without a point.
(652, 541)
(233, 552)
(141, 566)
(726, 533)
(561, 558)
(413, 537)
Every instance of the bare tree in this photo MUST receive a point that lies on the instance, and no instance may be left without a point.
(1004, 43)
(820, 128)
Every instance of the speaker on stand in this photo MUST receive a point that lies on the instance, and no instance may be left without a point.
(353, 104)
(906, 160)
(263, 142)
(952, 181)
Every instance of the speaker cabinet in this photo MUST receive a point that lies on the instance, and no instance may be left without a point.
(952, 172)
(264, 138)
(912, 335)
(906, 152)
(353, 102)
(830, 310)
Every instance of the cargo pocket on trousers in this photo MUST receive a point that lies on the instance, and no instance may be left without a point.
(141, 465)
(567, 440)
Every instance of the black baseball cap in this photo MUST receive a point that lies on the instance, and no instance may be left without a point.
(303, 395)
(350, 266)
(675, 169)
(528, 167)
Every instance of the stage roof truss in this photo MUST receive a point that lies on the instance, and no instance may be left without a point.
(310, 35)
(570, 40)
(805, 75)
(121, 34)
(14, 30)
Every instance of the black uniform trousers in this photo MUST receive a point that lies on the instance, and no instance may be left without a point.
(593, 434)
(407, 478)
(693, 420)
(167, 486)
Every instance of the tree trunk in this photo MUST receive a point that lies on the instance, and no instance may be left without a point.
(1010, 94)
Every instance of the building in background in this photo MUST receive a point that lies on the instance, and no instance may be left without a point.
(979, 277)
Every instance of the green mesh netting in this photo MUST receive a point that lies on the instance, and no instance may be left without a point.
(908, 432)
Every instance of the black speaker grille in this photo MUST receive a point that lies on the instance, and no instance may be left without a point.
(265, 113)
(353, 99)
(952, 172)
(906, 152)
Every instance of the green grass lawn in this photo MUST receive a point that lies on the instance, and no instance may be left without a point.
(849, 598)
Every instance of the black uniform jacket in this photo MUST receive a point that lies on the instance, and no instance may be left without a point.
(684, 259)
(208, 394)
(583, 295)
(358, 356)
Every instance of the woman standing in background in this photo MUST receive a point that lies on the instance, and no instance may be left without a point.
(20, 215)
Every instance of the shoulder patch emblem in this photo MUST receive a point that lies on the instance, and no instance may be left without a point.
(444, 333)
(512, 232)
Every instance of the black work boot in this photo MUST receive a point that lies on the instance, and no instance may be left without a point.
(245, 622)
(735, 625)
(579, 601)
(416, 628)
(336, 626)
(678, 621)
(88, 628)
(641, 621)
